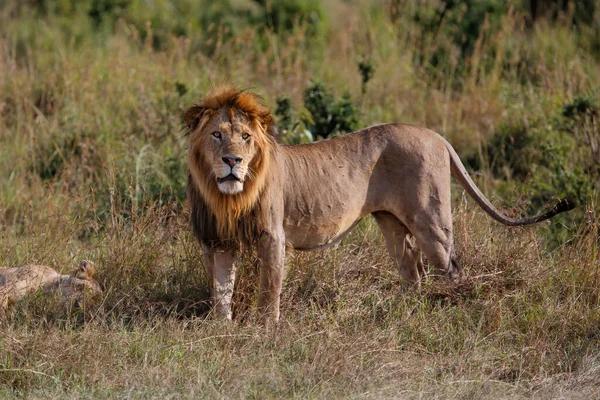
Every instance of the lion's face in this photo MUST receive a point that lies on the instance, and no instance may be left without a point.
(85, 270)
(83, 280)
(229, 145)
(232, 140)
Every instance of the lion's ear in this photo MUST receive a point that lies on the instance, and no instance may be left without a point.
(192, 116)
(85, 270)
(268, 122)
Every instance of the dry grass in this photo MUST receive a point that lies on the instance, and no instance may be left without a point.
(92, 166)
(524, 322)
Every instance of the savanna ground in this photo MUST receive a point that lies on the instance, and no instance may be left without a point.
(93, 165)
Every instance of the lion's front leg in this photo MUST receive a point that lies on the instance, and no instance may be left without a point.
(271, 250)
(221, 269)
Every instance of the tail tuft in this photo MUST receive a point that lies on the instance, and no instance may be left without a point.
(560, 207)
(564, 205)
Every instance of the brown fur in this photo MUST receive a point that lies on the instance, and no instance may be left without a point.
(245, 187)
(16, 283)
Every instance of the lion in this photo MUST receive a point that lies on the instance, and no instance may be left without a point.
(16, 283)
(245, 188)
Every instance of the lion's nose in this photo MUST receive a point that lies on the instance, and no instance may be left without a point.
(231, 161)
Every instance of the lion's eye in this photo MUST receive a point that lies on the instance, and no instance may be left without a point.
(217, 134)
(245, 136)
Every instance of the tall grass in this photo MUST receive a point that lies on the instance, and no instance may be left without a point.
(92, 165)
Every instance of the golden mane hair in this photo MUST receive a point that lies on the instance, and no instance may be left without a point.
(215, 215)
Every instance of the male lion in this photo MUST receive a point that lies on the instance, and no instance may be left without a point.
(16, 283)
(246, 188)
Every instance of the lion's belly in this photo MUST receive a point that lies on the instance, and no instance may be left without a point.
(317, 219)
(315, 234)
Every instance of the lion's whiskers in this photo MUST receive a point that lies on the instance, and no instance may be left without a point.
(250, 174)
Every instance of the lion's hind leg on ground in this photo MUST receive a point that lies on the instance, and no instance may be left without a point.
(401, 248)
(432, 231)
(434, 236)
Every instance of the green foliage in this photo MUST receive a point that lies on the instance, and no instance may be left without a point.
(292, 128)
(285, 15)
(450, 31)
(102, 10)
(581, 11)
(581, 120)
(461, 21)
(166, 182)
(580, 180)
(580, 107)
(284, 111)
(52, 158)
(322, 115)
(286, 120)
(457, 36)
(329, 116)
(553, 160)
(367, 70)
(513, 151)
(548, 157)
(207, 23)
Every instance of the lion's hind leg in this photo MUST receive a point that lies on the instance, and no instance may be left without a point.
(402, 248)
(434, 236)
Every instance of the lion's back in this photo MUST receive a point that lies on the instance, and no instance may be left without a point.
(18, 282)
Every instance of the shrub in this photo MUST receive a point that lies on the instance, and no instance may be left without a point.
(329, 116)
(581, 117)
(101, 10)
(451, 27)
(207, 23)
(285, 113)
(287, 14)
(513, 151)
(367, 70)
(559, 161)
(322, 115)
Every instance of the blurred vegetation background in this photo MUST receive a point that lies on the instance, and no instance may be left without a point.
(93, 90)
(93, 165)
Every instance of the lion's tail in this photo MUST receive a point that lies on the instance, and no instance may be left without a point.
(462, 176)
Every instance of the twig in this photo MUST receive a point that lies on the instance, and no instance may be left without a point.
(31, 371)
(209, 337)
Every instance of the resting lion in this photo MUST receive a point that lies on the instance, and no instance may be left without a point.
(245, 188)
(16, 283)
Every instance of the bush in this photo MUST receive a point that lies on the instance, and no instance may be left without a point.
(101, 10)
(513, 151)
(451, 27)
(367, 70)
(558, 160)
(329, 116)
(322, 116)
(580, 119)
(286, 120)
(207, 23)
(285, 15)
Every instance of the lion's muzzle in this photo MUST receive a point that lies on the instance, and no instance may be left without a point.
(230, 177)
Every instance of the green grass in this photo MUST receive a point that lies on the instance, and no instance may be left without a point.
(93, 165)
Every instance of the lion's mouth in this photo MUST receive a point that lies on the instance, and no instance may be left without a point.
(230, 177)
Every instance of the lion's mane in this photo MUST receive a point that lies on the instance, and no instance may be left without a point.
(217, 216)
